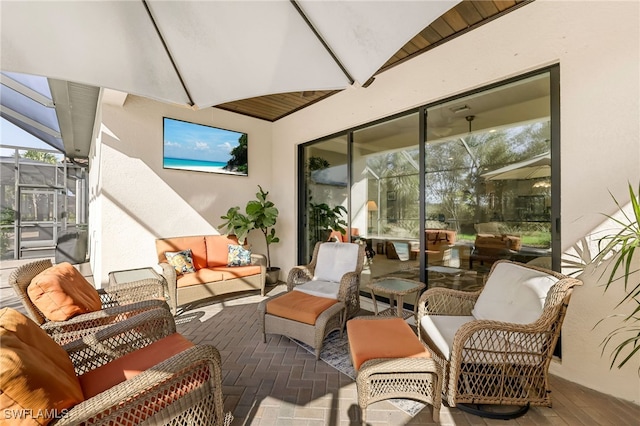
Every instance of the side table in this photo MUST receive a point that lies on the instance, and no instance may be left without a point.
(137, 274)
(129, 275)
(395, 288)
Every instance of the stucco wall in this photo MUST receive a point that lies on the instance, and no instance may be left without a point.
(597, 46)
(140, 201)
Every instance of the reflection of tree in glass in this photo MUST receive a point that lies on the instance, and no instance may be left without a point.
(454, 185)
(316, 163)
(239, 161)
(398, 172)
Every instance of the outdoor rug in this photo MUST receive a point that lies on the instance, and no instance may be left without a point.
(335, 352)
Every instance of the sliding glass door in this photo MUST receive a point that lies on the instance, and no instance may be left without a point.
(488, 181)
(441, 193)
(324, 193)
(385, 192)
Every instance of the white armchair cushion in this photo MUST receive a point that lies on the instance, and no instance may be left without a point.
(319, 288)
(513, 294)
(515, 348)
(335, 260)
(442, 328)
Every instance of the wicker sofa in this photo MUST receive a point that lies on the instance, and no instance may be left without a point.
(212, 276)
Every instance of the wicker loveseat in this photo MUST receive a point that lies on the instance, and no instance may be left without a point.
(212, 276)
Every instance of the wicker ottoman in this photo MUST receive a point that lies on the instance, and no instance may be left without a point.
(391, 362)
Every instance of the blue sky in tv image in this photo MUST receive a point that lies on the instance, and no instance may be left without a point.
(197, 142)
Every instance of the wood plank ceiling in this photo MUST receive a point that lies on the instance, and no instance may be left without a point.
(464, 17)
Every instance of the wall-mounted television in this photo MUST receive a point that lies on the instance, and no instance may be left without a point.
(201, 148)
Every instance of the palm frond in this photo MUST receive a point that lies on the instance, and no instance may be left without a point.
(622, 246)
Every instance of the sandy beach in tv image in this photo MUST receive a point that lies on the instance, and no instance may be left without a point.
(201, 148)
(195, 165)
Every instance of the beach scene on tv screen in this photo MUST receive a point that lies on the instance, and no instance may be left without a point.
(201, 148)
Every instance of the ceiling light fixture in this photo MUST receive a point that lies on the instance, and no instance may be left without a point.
(542, 184)
(470, 118)
(460, 108)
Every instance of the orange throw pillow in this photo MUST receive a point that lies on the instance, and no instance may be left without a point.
(37, 378)
(61, 292)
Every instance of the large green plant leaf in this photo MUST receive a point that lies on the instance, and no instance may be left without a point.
(260, 214)
(622, 247)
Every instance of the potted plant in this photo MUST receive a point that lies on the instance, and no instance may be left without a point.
(325, 219)
(259, 214)
(622, 246)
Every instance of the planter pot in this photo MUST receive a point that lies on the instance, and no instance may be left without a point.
(273, 275)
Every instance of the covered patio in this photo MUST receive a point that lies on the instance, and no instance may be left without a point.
(281, 383)
(133, 199)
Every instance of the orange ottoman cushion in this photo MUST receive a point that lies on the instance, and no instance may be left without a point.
(382, 338)
(36, 374)
(299, 306)
(130, 365)
(61, 292)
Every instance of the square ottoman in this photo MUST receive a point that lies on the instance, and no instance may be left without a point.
(391, 362)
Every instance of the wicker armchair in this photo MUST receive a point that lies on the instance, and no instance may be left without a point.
(185, 388)
(486, 357)
(344, 286)
(118, 303)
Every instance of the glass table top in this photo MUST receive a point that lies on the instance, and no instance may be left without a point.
(396, 285)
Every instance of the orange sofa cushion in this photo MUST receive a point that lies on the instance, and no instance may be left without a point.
(218, 249)
(221, 273)
(61, 292)
(201, 276)
(196, 244)
(130, 365)
(232, 272)
(382, 338)
(338, 236)
(35, 372)
(299, 306)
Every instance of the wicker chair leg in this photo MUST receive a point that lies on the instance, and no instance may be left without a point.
(363, 414)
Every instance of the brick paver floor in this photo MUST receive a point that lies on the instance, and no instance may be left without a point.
(280, 383)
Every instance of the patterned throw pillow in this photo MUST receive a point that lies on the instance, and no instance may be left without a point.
(238, 256)
(182, 261)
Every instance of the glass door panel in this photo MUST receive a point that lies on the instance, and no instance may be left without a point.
(325, 200)
(488, 182)
(384, 195)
